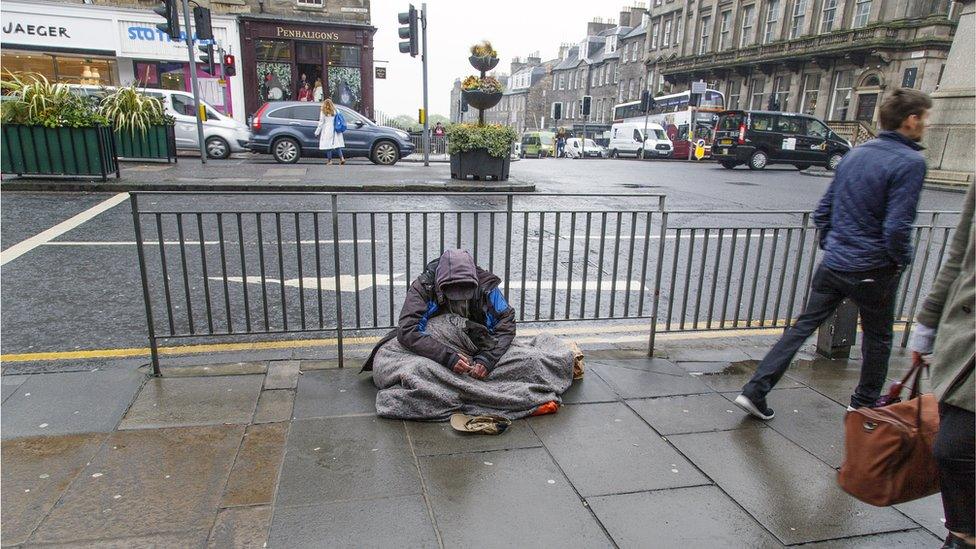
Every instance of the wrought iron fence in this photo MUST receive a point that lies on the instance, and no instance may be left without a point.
(339, 263)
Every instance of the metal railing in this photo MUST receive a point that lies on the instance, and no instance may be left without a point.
(341, 263)
(438, 144)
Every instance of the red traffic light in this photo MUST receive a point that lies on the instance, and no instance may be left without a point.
(229, 68)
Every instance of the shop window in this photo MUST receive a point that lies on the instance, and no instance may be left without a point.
(63, 69)
(344, 56)
(273, 50)
(274, 81)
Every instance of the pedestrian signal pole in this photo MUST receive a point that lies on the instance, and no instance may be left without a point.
(187, 16)
(423, 58)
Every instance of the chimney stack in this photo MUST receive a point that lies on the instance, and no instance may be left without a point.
(625, 18)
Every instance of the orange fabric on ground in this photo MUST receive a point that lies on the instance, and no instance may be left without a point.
(550, 407)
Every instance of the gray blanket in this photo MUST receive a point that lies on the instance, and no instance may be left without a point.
(535, 370)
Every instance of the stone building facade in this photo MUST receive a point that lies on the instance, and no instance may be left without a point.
(835, 59)
(523, 105)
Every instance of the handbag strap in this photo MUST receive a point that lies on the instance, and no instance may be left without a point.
(914, 375)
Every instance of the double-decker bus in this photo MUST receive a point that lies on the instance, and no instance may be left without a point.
(673, 113)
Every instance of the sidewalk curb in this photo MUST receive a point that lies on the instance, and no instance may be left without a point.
(929, 184)
(48, 185)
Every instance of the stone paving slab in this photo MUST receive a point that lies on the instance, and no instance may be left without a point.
(518, 497)
(386, 522)
(912, 538)
(688, 353)
(592, 388)
(275, 405)
(36, 472)
(254, 476)
(438, 438)
(691, 414)
(928, 512)
(71, 402)
(188, 401)
(241, 528)
(811, 420)
(729, 376)
(144, 483)
(9, 385)
(835, 379)
(335, 459)
(328, 393)
(700, 516)
(282, 374)
(607, 449)
(636, 383)
(793, 494)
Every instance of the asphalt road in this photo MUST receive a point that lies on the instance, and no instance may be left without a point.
(81, 290)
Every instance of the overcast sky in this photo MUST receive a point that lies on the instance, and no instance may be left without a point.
(515, 28)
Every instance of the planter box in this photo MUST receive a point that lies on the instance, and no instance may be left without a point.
(482, 100)
(36, 150)
(483, 64)
(480, 165)
(156, 143)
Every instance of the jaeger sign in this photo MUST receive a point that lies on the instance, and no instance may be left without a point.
(33, 29)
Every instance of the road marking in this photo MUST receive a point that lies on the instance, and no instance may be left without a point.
(346, 283)
(353, 342)
(22, 248)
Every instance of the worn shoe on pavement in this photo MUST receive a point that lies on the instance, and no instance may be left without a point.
(756, 409)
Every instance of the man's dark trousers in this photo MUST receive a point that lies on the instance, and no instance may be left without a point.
(874, 294)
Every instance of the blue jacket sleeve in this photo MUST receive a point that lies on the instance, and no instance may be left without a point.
(903, 194)
(821, 217)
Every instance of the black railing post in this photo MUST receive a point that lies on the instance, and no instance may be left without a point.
(153, 350)
(335, 256)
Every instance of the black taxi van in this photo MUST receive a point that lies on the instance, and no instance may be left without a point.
(760, 138)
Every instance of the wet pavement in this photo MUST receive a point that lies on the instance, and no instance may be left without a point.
(645, 452)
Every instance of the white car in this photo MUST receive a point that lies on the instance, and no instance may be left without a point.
(574, 148)
(222, 134)
(627, 139)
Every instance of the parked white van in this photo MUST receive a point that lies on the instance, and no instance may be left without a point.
(222, 134)
(627, 139)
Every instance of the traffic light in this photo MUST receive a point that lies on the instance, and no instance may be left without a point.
(586, 105)
(647, 103)
(207, 58)
(409, 32)
(171, 13)
(229, 68)
(201, 23)
(557, 111)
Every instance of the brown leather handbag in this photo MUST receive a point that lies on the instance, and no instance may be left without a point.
(888, 455)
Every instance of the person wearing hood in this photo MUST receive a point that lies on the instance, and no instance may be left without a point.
(453, 283)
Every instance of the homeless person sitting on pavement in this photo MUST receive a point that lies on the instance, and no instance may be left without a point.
(455, 352)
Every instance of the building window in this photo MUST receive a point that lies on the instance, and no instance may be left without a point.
(756, 89)
(654, 35)
(780, 99)
(633, 54)
(772, 16)
(843, 81)
(748, 13)
(811, 92)
(620, 92)
(630, 90)
(725, 31)
(799, 14)
(862, 12)
(667, 34)
(735, 88)
(616, 73)
(703, 42)
(562, 81)
(829, 14)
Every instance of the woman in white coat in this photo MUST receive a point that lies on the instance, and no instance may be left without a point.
(330, 140)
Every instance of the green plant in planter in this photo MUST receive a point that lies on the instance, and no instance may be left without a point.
(129, 110)
(38, 102)
(483, 49)
(497, 139)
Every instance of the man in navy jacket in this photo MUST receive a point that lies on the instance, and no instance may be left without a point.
(865, 220)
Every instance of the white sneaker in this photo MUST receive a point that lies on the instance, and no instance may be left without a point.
(742, 401)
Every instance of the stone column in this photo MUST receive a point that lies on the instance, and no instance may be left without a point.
(951, 137)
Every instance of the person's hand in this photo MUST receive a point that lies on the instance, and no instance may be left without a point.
(478, 371)
(462, 365)
(918, 357)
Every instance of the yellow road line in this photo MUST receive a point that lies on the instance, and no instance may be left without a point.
(636, 332)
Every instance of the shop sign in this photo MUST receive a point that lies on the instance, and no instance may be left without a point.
(56, 31)
(381, 73)
(326, 36)
(142, 39)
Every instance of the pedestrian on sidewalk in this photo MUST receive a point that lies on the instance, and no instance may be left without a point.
(865, 221)
(944, 331)
(330, 138)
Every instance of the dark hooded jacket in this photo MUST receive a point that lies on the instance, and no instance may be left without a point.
(426, 300)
